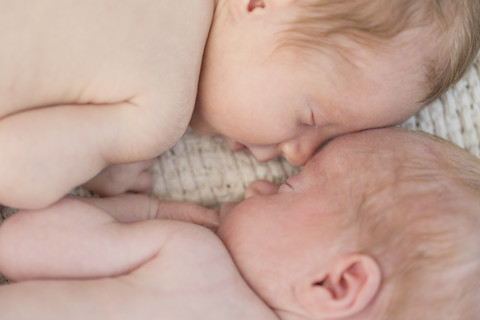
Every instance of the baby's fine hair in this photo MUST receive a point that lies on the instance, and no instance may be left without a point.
(421, 222)
(453, 29)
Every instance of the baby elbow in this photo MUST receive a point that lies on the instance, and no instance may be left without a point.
(32, 197)
(7, 251)
(145, 130)
(162, 122)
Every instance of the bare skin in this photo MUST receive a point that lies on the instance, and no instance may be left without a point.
(298, 246)
(88, 85)
(108, 84)
(163, 269)
(122, 178)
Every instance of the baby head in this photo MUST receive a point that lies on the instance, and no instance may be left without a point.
(380, 224)
(281, 77)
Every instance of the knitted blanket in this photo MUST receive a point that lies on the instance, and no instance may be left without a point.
(200, 169)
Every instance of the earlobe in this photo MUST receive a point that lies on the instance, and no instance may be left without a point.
(258, 6)
(347, 288)
(255, 4)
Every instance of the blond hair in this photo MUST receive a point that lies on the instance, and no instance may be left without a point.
(454, 30)
(421, 222)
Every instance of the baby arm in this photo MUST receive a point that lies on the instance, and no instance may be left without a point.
(90, 237)
(48, 151)
(191, 275)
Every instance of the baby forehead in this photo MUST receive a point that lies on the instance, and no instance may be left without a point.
(380, 156)
(393, 156)
(366, 146)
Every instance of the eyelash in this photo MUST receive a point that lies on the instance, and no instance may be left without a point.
(288, 184)
(312, 119)
(285, 187)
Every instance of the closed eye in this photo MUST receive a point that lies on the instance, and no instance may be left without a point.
(285, 187)
(312, 119)
(288, 184)
(309, 120)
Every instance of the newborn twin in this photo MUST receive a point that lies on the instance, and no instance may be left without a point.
(380, 224)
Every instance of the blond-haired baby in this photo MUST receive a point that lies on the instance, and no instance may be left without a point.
(89, 87)
(381, 224)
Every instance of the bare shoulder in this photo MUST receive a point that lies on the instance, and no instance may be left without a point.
(189, 244)
(194, 273)
(103, 51)
(193, 277)
(191, 256)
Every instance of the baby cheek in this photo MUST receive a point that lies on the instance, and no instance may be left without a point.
(236, 232)
(227, 227)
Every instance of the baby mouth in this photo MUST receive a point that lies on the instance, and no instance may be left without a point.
(233, 145)
(259, 154)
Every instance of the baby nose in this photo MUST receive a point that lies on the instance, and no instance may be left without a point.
(261, 188)
(298, 153)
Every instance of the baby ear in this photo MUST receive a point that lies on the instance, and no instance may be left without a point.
(346, 289)
(255, 4)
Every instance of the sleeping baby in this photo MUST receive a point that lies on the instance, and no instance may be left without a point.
(380, 224)
(89, 87)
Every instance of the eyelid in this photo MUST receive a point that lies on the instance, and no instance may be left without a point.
(317, 117)
(312, 119)
(288, 184)
(285, 185)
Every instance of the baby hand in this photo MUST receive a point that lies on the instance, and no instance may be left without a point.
(188, 212)
(121, 178)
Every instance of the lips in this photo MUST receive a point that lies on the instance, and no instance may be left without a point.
(234, 146)
(260, 153)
